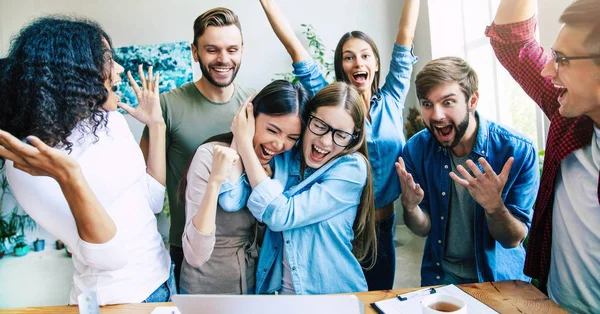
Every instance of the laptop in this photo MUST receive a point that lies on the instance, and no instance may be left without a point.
(267, 304)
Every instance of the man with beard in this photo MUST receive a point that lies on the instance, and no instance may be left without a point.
(468, 184)
(198, 110)
(564, 244)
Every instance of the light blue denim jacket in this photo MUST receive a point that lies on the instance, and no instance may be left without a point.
(385, 130)
(311, 219)
(430, 165)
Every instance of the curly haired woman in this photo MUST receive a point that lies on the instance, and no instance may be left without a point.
(78, 171)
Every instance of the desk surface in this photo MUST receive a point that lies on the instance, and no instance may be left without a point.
(503, 296)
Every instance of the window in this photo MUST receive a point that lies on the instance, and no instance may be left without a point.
(457, 29)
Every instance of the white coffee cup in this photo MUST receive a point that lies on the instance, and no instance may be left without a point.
(444, 303)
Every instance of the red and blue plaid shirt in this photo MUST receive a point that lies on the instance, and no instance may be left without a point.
(519, 52)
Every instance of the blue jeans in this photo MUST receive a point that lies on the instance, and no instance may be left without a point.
(381, 276)
(164, 292)
(176, 253)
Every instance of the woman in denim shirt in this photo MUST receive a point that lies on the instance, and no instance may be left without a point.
(357, 62)
(319, 206)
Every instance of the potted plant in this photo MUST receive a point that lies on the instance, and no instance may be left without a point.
(39, 245)
(14, 225)
(318, 52)
(21, 248)
(17, 225)
(414, 123)
(60, 245)
(5, 235)
(6, 232)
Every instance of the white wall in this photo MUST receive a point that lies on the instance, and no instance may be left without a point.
(153, 21)
(548, 25)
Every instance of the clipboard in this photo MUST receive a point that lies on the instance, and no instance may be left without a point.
(410, 303)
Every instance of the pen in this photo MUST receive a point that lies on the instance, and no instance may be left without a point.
(413, 294)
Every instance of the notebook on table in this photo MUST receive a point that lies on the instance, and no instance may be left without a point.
(410, 303)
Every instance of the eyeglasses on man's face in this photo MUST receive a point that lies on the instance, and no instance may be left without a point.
(319, 127)
(564, 60)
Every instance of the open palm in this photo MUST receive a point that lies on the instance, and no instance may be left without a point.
(148, 111)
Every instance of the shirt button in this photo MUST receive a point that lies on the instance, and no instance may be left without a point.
(443, 193)
(437, 277)
(440, 241)
(264, 270)
(442, 218)
(483, 152)
(438, 264)
(294, 268)
(445, 166)
(287, 241)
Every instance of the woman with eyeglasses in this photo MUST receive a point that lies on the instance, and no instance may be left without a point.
(318, 206)
(357, 62)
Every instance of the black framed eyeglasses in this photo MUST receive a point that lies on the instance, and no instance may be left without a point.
(560, 59)
(320, 128)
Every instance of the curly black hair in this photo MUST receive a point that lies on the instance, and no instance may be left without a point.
(53, 78)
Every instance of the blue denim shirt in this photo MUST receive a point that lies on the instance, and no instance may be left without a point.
(430, 165)
(311, 219)
(385, 129)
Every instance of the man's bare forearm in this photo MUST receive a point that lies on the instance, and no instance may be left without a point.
(417, 220)
(505, 228)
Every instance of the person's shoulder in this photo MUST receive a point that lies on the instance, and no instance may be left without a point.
(204, 154)
(353, 162)
(187, 90)
(242, 92)
(507, 134)
(419, 139)
(210, 147)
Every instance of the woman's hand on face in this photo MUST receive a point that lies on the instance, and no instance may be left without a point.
(243, 125)
(38, 159)
(148, 110)
(224, 158)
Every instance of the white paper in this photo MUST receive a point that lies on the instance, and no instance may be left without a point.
(413, 304)
(166, 310)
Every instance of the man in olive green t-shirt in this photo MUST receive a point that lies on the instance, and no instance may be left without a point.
(196, 111)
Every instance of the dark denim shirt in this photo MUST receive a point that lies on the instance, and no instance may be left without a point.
(430, 165)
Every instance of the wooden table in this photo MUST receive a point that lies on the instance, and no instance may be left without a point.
(503, 296)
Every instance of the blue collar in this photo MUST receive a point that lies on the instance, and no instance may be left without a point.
(481, 144)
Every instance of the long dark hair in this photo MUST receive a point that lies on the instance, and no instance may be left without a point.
(53, 78)
(340, 75)
(364, 244)
(278, 98)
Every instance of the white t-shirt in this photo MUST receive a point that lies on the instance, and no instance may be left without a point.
(129, 267)
(574, 278)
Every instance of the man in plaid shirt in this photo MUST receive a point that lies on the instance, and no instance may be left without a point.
(565, 83)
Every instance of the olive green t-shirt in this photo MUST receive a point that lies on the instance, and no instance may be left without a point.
(191, 119)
